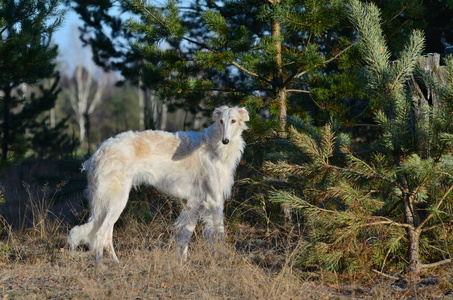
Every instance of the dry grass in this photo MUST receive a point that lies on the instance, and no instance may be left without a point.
(149, 269)
(35, 264)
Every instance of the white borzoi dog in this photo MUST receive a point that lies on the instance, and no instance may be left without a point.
(196, 166)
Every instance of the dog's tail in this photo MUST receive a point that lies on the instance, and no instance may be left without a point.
(85, 233)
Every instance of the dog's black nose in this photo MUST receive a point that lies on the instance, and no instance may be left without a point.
(225, 141)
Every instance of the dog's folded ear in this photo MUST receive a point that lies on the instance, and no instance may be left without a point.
(218, 111)
(244, 114)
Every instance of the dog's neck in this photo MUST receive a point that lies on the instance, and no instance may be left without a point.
(227, 155)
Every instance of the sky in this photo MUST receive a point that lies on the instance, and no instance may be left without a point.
(67, 39)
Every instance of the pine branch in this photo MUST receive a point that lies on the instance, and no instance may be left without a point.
(405, 66)
(297, 91)
(282, 168)
(306, 143)
(436, 264)
(300, 73)
(431, 215)
(390, 250)
(394, 206)
(202, 45)
(311, 147)
(251, 73)
(327, 142)
(367, 21)
(296, 202)
(386, 222)
(435, 226)
(234, 90)
(425, 179)
(385, 275)
(366, 175)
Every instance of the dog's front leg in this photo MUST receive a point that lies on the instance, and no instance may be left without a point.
(185, 226)
(214, 229)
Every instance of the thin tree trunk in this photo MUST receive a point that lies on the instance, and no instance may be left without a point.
(87, 126)
(281, 96)
(412, 220)
(163, 117)
(414, 238)
(141, 106)
(148, 114)
(430, 63)
(280, 92)
(52, 117)
(81, 121)
(79, 96)
(5, 128)
(279, 88)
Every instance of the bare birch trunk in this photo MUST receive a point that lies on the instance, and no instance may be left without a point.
(81, 94)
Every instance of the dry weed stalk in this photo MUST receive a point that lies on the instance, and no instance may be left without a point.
(39, 204)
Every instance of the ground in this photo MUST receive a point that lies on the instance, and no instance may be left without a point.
(257, 262)
(36, 264)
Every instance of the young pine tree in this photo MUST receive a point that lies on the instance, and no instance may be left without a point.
(26, 56)
(390, 207)
(269, 50)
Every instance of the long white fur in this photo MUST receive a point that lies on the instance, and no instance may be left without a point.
(196, 166)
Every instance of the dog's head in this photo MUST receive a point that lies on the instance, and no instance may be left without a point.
(231, 120)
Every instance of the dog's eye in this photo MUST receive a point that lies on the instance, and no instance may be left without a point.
(233, 121)
(221, 121)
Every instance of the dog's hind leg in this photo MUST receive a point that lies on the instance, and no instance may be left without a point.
(110, 246)
(117, 203)
(185, 224)
(103, 235)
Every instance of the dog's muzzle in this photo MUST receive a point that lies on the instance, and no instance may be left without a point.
(225, 141)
